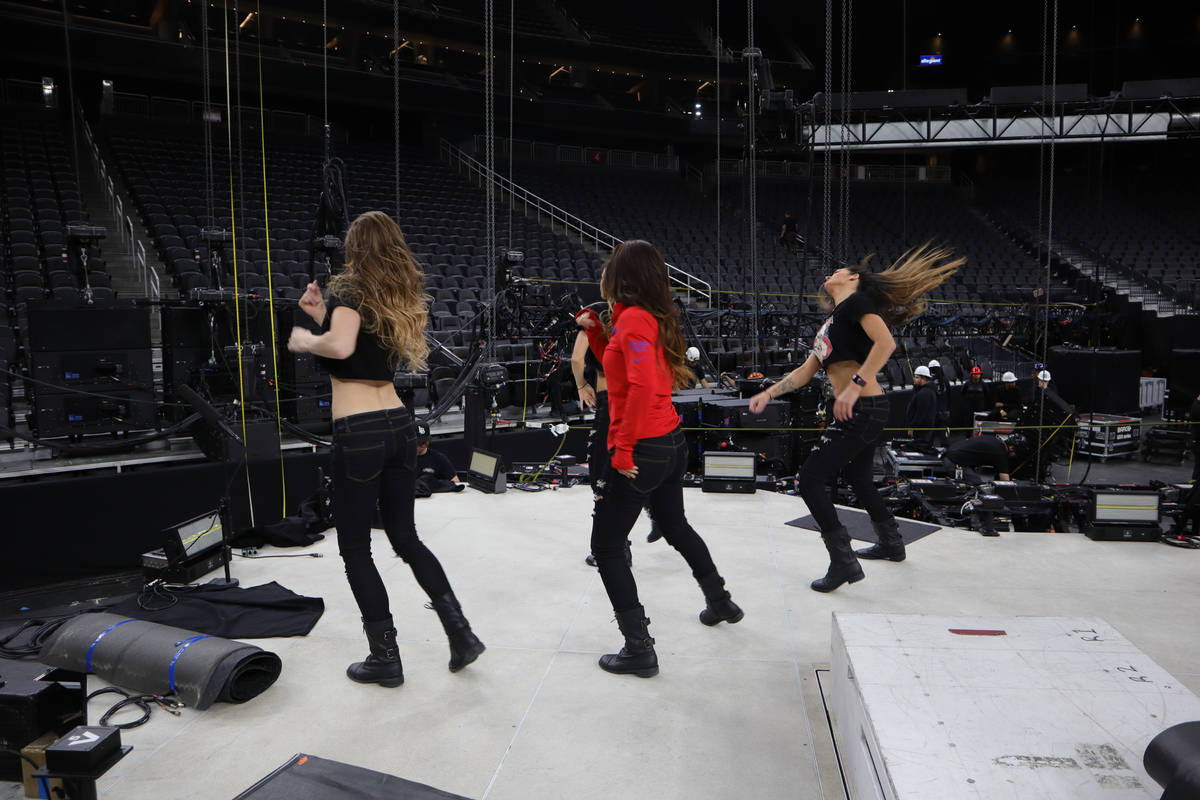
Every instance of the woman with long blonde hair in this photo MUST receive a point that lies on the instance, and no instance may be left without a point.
(853, 345)
(373, 319)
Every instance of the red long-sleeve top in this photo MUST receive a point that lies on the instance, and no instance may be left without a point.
(639, 381)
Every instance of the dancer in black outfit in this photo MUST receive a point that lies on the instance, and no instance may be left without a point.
(852, 345)
(374, 317)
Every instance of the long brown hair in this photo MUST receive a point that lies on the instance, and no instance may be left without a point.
(383, 280)
(899, 291)
(637, 275)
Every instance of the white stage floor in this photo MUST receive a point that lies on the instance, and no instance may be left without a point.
(736, 710)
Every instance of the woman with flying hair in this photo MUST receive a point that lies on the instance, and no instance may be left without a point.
(643, 361)
(853, 345)
(374, 318)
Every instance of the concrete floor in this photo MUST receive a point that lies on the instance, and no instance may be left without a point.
(736, 711)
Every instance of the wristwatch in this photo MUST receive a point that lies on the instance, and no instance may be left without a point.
(858, 379)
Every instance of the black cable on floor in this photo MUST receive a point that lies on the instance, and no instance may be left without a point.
(142, 701)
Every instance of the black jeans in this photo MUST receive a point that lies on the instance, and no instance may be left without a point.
(661, 462)
(846, 446)
(374, 461)
(598, 461)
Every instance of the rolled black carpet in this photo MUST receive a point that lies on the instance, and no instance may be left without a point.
(148, 657)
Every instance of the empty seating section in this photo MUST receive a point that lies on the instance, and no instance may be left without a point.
(682, 223)
(442, 215)
(41, 197)
(1147, 230)
(649, 26)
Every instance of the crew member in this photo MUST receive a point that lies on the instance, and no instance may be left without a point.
(643, 360)
(433, 467)
(942, 384)
(787, 232)
(921, 414)
(693, 362)
(976, 393)
(853, 345)
(986, 450)
(1008, 401)
(374, 317)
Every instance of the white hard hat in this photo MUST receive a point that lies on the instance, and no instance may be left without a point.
(693, 354)
(1008, 377)
(1044, 375)
(933, 362)
(923, 371)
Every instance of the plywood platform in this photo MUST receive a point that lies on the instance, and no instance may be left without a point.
(997, 707)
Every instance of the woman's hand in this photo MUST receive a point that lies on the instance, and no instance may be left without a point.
(301, 340)
(312, 303)
(759, 402)
(587, 396)
(586, 318)
(629, 473)
(843, 406)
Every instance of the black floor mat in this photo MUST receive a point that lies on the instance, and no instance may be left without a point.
(859, 525)
(314, 778)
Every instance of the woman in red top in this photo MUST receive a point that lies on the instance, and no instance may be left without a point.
(643, 361)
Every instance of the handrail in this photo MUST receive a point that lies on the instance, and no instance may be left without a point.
(690, 284)
(150, 281)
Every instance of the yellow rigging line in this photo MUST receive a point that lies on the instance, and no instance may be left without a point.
(237, 306)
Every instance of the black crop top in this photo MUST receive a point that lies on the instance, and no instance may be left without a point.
(842, 337)
(368, 362)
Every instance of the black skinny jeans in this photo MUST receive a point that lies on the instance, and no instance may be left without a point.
(661, 462)
(374, 460)
(846, 446)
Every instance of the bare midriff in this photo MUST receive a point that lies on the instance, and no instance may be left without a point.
(361, 397)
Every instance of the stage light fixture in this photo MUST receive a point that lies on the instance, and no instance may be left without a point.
(49, 100)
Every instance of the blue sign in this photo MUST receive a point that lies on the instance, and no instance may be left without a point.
(934, 60)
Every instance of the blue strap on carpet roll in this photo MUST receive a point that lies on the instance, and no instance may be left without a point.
(147, 657)
(96, 641)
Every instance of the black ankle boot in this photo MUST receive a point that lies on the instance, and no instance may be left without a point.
(891, 543)
(843, 566)
(655, 533)
(637, 657)
(383, 665)
(465, 646)
(719, 607)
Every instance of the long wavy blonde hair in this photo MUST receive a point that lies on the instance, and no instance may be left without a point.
(899, 291)
(383, 280)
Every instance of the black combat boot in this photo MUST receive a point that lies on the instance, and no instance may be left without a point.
(891, 543)
(383, 665)
(843, 566)
(465, 646)
(637, 657)
(719, 607)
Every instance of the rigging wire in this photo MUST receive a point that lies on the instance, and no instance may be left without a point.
(262, 132)
(512, 53)
(1049, 227)
(752, 180)
(844, 153)
(717, 296)
(826, 189)
(489, 115)
(396, 101)
(237, 310)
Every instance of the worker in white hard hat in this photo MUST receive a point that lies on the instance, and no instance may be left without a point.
(1043, 379)
(921, 413)
(1008, 399)
(693, 361)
